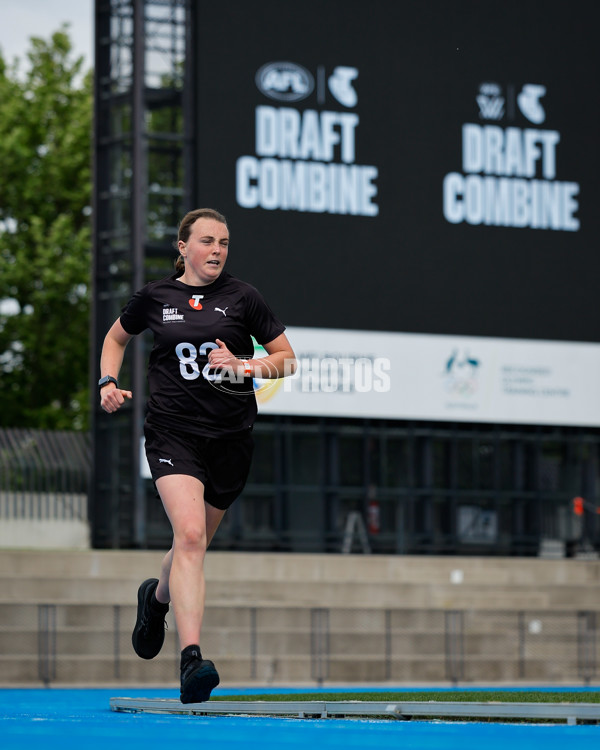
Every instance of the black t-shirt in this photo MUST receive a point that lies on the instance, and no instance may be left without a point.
(185, 395)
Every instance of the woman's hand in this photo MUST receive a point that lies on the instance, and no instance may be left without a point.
(222, 357)
(113, 398)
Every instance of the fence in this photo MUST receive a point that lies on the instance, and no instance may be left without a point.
(91, 644)
(44, 474)
(44, 479)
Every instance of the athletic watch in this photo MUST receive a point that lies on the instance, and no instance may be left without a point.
(106, 380)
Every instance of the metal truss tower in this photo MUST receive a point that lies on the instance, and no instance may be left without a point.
(142, 140)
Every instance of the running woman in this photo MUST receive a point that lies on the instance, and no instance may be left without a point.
(199, 419)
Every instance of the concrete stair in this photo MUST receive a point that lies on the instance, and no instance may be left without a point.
(292, 618)
(306, 579)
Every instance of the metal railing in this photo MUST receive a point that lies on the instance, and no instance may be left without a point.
(91, 644)
(44, 474)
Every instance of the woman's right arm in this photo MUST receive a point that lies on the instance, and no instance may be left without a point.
(111, 359)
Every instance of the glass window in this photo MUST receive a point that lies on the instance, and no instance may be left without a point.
(552, 460)
(486, 455)
(263, 461)
(258, 514)
(351, 461)
(510, 457)
(465, 464)
(304, 459)
(394, 472)
(441, 464)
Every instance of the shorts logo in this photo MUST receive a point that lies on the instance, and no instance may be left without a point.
(165, 461)
(194, 301)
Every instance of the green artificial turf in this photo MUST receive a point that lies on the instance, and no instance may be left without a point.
(470, 696)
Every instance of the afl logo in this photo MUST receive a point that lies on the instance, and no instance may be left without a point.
(285, 81)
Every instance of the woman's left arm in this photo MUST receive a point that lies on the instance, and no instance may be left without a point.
(279, 362)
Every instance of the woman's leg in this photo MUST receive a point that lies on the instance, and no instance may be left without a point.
(194, 524)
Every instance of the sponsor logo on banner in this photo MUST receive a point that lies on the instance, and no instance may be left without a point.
(284, 81)
(304, 160)
(529, 103)
(490, 101)
(509, 173)
(460, 374)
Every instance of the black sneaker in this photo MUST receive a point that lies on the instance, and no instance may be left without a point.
(149, 632)
(198, 679)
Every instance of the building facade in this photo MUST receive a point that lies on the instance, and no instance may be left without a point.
(423, 221)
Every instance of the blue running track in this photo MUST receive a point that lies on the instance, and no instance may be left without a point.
(61, 719)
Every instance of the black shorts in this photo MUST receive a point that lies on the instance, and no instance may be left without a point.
(221, 464)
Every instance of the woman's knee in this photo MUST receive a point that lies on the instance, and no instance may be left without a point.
(191, 539)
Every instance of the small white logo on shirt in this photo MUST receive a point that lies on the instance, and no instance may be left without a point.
(218, 309)
(165, 461)
(171, 315)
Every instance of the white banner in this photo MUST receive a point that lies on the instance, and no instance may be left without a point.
(437, 377)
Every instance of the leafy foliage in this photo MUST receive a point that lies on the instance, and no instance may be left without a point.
(45, 237)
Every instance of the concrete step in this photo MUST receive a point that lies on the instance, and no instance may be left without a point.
(97, 631)
(358, 595)
(300, 669)
(235, 670)
(383, 618)
(247, 579)
(399, 595)
(137, 565)
(277, 644)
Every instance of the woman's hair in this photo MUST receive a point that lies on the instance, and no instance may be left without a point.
(185, 228)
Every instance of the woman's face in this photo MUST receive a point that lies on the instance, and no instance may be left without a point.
(205, 252)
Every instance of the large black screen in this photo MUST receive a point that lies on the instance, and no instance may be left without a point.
(417, 167)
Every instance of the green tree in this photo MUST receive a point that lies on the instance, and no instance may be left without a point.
(45, 237)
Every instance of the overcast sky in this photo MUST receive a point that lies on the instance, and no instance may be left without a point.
(22, 19)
